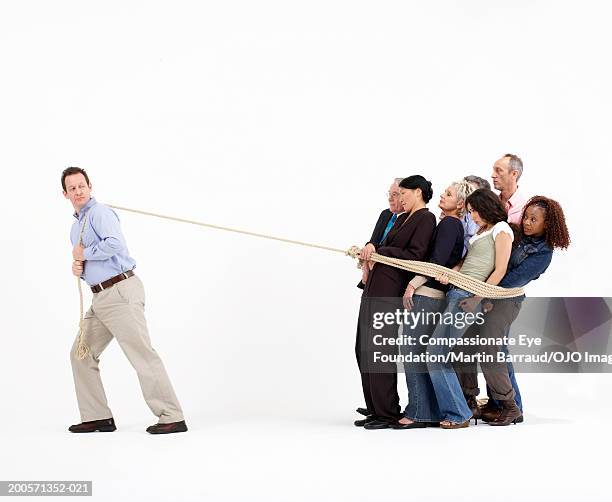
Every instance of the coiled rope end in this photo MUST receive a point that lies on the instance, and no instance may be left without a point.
(82, 349)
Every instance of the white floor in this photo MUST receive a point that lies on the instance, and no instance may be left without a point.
(560, 453)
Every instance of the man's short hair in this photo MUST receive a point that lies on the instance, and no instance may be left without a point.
(515, 164)
(397, 181)
(478, 181)
(70, 171)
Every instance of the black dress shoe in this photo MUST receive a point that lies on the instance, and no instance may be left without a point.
(363, 411)
(377, 424)
(412, 425)
(361, 423)
(168, 428)
(106, 425)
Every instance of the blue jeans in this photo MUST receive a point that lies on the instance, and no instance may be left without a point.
(449, 395)
(422, 404)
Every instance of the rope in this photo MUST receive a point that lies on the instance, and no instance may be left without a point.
(82, 350)
(229, 229)
(479, 288)
(458, 279)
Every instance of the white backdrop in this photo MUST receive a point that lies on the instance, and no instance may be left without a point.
(285, 118)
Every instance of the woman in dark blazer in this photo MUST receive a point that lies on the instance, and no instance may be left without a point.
(408, 240)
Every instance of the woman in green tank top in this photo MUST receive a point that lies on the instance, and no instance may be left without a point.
(486, 260)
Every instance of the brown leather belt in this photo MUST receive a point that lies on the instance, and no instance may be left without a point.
(112, 281)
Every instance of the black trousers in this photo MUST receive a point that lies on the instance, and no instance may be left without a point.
(378, 380)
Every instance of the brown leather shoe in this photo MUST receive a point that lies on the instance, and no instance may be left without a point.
(106, 425)
(170, 428)
(472, 402)
(489, 411)
(509, 414)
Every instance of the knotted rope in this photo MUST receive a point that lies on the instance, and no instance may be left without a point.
(82, 349)
(458, 279)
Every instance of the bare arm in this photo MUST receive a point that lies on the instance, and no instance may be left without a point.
(503, 248)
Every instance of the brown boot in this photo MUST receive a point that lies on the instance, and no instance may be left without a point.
(489, 411)
(510, 414)
(472, 402)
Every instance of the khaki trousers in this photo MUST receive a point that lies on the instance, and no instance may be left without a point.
(118, 312)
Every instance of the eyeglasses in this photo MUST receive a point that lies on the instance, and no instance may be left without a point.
(393, 195)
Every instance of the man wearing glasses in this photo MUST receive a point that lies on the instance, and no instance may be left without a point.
(385, 223)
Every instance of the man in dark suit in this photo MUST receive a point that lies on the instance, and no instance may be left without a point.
(385, 222)
(408, 240)
(383, 226)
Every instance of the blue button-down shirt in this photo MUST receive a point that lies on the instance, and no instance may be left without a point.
(106, 253)
(469, 230)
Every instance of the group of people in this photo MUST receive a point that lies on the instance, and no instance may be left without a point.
(503, 239)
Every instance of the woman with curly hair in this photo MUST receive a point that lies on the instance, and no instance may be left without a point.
(542, 230)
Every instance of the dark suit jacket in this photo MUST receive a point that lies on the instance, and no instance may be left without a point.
(408, 240)
(379, 230)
